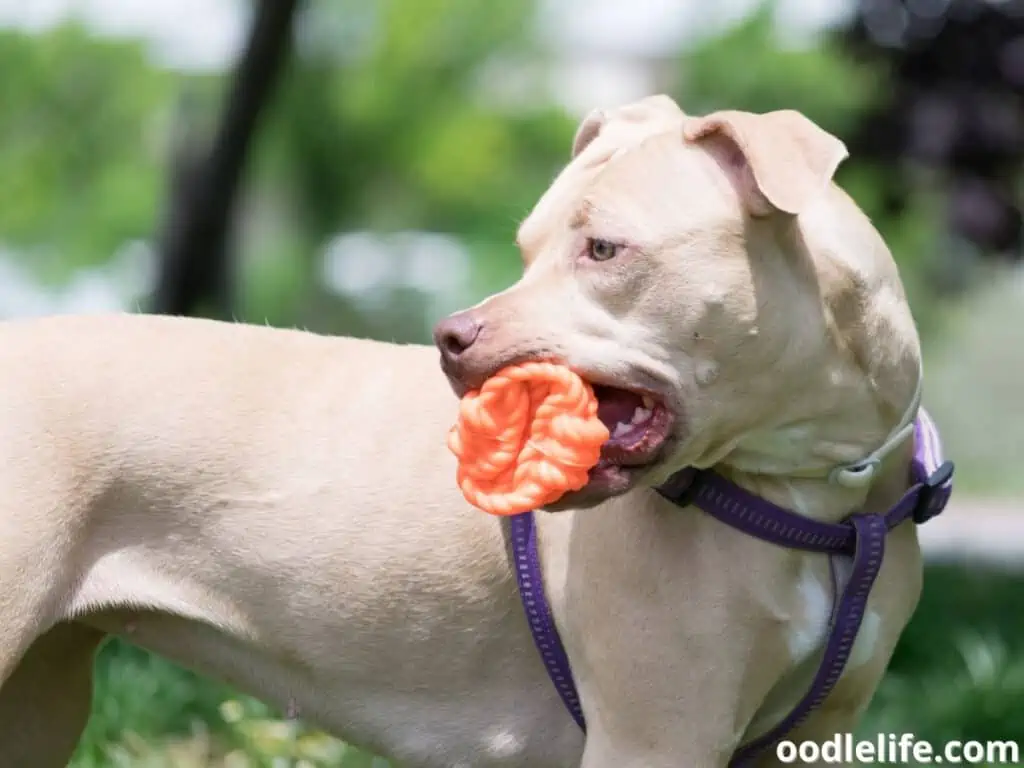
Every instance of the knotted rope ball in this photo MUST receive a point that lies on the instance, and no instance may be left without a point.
(527, 437)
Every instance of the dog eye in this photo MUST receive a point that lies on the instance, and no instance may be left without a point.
(601, 250)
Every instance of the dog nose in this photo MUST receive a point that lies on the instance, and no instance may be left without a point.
(455, 334)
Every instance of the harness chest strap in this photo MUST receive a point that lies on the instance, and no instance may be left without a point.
(860, 537)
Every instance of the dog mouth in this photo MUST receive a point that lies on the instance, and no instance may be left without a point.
(640, 424)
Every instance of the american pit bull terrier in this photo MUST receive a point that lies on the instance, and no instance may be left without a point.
(278, 510)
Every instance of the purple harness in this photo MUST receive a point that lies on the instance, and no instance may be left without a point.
(860, 537)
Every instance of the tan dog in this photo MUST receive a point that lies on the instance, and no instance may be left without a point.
(277, 509)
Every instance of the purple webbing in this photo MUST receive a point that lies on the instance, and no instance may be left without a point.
(538, 613)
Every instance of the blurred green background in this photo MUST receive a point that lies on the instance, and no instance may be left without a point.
(360, 166)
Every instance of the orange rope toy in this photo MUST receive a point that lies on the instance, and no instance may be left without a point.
(528, 436)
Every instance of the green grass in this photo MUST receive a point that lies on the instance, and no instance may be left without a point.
(150, 713)
(958, 674)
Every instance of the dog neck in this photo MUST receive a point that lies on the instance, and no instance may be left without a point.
(794, 467)
(821, 500)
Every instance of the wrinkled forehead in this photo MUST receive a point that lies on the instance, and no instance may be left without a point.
(617, 137)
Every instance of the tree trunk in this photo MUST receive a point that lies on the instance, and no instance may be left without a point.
(196, 260)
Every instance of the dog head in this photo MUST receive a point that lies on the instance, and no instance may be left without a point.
(728, 301)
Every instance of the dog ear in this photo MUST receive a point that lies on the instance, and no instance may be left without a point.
(780, 161)
(588, 130)
(658, 107)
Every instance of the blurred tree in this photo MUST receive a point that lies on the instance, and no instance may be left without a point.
(195, 254)
(952, 111)
(397, 116)
(748, 68)
(80, 124)
(428, 139)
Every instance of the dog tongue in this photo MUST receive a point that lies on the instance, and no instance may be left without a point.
(615, 406)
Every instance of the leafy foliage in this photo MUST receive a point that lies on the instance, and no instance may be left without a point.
(395, 128)
(80, 124)
(747, 68)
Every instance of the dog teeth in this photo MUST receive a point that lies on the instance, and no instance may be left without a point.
(640, 415)
(648, 402)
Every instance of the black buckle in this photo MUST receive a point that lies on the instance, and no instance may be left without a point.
(930, 502)
(681, 487)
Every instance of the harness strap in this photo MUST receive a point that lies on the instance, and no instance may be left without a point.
(538, 613)
(869, 531)
(861, 536)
